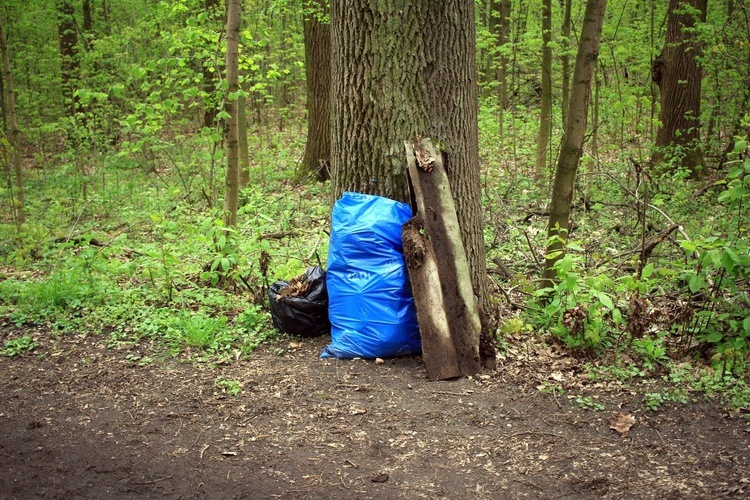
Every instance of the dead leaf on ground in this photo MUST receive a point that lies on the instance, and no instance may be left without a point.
(621, 422)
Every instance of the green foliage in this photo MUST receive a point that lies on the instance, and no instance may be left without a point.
(653, 400)
(653, 351)
(589, 403)
(19, 345)
(229, 387)
(225, 244)
(579, 310)
(720, 269)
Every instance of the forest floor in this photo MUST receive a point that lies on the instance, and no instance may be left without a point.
(82, 419)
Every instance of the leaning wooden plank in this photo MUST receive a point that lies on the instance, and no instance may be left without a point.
(439, 273)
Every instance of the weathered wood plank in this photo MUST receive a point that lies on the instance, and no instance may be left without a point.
(447, 309)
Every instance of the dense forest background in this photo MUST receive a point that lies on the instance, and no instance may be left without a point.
(114, 161)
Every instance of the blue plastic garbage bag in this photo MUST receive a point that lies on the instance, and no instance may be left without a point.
(370, 303)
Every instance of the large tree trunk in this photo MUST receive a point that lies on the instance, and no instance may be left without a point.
(403, 69)
(234, 12)
(318, 74)
(68, 43)
(15, 134)
(575, 128)
(678, 76)
(545, 113)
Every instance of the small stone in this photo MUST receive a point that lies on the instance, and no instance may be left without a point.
(379, 361)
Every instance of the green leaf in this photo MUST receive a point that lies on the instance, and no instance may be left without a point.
(617, 316)
(729, 259)
(647, 271)
(735, 172)
(714, 337)
(605, 300)
(746, 325)
(571, 280)
(688, 245)
(696, 283)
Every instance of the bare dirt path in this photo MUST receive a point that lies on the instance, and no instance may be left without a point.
(80, 420)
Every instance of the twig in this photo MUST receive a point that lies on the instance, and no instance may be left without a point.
(315, 247)
(277, 236)
(524, 433)
(156, 480)
(533, 252)
(447, 393)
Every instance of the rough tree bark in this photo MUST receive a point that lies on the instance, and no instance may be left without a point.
(234, 13)
(575, 128)
(403, 69)
(545, 112)
(14, 133)
(678, 76)
(316, 159)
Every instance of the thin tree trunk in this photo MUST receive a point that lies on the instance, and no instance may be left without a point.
(15, 134)
(565, 59)
(545, 112)
(652, 37)
(575, 129)
(500, 25)
(234, 13)
(316, 159)
(210, 75)
(88, 26)
(242, 137)
(595, 130)
(68, 44)
(2, 101)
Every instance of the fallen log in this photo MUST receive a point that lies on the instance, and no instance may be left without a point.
(448, 313)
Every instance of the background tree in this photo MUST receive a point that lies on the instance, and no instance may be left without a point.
(565, 57)
(317, 30)
(500, 27)
(234, 13)
(404, 70)
(13, 132)
(68, 42)
(678, 75)
(545, 110)
(575, 129)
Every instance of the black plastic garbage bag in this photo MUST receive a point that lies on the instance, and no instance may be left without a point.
(300, 306)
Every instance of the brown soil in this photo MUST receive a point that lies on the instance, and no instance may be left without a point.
(80, 420)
